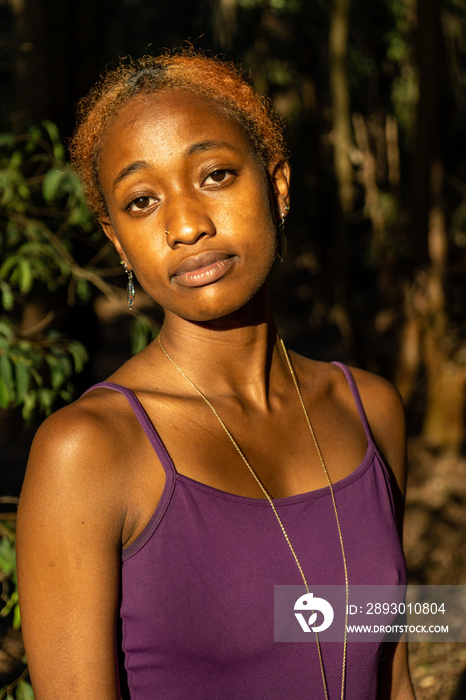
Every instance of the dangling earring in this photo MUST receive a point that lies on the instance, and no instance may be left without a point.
(130, 293)
(282, 242)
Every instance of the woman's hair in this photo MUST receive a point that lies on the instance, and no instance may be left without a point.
(211, 77)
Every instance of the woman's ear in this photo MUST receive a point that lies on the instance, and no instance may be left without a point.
(280, 179)
(109, 231)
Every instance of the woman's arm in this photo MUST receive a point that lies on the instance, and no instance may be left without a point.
(394, 678)
(68, 543)
(385, 413)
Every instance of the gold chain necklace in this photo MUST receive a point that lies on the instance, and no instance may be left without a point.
(269, 498)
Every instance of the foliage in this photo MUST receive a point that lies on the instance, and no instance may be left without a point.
(50, 251)
(19, 689)
(40, 209)
(52, 258)
(8, 574)
(22, 691)
(143, 332)
(44, 226)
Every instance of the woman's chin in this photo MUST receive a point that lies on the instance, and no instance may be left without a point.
(249, 310)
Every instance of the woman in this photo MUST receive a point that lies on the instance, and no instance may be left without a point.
(228, 495)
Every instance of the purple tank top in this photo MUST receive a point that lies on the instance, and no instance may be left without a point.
(198, 583)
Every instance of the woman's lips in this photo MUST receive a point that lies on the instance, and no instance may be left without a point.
(199, 270)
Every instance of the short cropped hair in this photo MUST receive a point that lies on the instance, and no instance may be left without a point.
(217, 80)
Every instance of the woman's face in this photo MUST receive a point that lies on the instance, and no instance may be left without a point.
(190, 206)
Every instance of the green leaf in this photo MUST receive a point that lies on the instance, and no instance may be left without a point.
(7, 140)
(6, 330)
(141, 335)
(35, 374)
(57, 375)
(83, 290)
(67, 393)
(9, 605)
(22, 380)
(24, 691)
(16, 617)
(51, 184)
(24, 191)
(4, 398)
(80, 215)
(79, 354)
(29, 405)
(52, 131)
(8, 299)
(6, 381)
(20, 271)
(8, 265)
(7, 556)
(46, 397)
(24, 275)
(16, 160)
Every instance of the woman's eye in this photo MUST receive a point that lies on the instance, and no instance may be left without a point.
(220, 176)
(140, 203)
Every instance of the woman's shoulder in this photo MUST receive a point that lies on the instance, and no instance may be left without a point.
(385, 413)
(82, 452)
(372, 388)
(379, 397)
(93, 422)
(93, 456)
(381, 402)
(98, 424)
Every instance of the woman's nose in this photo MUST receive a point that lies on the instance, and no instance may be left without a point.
(187, 220)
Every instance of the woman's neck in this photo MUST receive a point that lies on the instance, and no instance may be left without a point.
(227, 357)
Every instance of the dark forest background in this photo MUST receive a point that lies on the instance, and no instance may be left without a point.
(373, 97)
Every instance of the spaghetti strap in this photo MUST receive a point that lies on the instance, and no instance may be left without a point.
(144, 422)
(357, 400)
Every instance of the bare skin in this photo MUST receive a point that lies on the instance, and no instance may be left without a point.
(174, 163)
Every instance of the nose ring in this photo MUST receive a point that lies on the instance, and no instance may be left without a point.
(167, 232)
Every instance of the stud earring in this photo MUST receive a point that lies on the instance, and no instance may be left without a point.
(130, 292)
(282, 242)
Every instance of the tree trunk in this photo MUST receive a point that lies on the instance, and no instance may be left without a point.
(341, 112)
(224, 23)
(342, 148)
(429, 62)
(428, 339)
(444, 416)
(31, 97)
